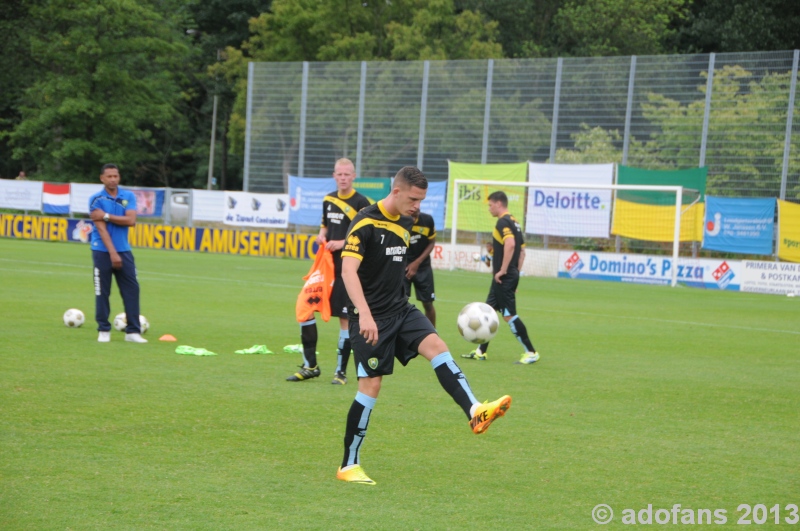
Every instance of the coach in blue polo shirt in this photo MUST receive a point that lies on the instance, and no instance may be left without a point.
(113, 211)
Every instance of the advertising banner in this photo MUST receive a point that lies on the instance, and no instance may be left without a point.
(647, 269)
(777, 278)
(149, 202)
(246, 209)
(650, 215)
(788, 231)
(473, 214)
(20, 195)
(374, 189)
(305, 199)
(434, 203)
(80, 194)
(739, 225)
(569, 211)
(208, 205)
(152, 236)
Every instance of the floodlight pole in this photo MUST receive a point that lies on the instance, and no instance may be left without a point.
(213, 135)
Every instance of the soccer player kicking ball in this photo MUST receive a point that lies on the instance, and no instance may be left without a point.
(385, 326)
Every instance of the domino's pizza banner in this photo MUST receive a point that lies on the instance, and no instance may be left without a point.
(739, 225)
(648, 269)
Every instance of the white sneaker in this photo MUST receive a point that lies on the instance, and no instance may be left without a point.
(104, 337)
(135, 338)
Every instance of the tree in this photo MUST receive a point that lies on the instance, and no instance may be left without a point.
(324, 30)
(617, 27)
(107, 91)
(744, 25)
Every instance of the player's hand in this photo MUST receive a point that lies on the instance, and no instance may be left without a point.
(368, 329)
(411, 270)
(334, 245)
(498, 276)
(116, 260)
(96, 215)
(321, 240)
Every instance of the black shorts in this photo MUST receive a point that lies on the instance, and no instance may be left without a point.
(339, 298)
(399, 337)
(503, 297)
(423, 284)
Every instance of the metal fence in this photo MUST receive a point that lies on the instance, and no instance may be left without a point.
(731, 112)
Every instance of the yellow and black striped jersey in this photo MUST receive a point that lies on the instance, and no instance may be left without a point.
(507, 227)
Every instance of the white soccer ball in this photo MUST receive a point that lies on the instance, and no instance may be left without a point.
(74, 318)
(120, 322)
(478, 322)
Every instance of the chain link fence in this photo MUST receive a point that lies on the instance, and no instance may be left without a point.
(734, 113)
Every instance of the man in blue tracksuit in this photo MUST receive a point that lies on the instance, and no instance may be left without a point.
(113, 211)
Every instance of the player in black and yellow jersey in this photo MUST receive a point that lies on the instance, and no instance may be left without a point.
(338, 210)
(419, 272)
(508, 250)
(385, 326)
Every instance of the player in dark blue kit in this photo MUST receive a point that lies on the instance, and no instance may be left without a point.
(385, 326)
(113, 211)
(508, 249)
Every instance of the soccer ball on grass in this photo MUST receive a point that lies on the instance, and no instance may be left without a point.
(478, 322)
(121, 322)
(74, 318)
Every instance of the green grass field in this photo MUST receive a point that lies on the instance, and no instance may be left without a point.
(643, 395)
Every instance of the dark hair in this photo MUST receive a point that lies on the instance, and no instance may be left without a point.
(412, 176)
(499, 197)
(108, 167)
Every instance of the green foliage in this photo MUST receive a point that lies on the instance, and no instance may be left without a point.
(643, 395)
(106, 91)
(617, 27)
(741, 26)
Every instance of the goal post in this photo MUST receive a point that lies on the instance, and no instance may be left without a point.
(574, 202)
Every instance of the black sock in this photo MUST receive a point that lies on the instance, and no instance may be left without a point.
(519, 330)
(484, 348)
(356, 428)
(453, 381)
(345, 354)
(308, 336)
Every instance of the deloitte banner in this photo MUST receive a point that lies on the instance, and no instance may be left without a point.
(152, 236)
(735, 225)
(646, 269)
(473, 214)
(569, 211)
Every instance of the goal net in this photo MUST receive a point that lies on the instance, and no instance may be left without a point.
(601, 218)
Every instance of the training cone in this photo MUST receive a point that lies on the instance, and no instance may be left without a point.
(167, 337)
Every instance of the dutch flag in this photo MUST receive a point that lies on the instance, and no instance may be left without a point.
(55, 198)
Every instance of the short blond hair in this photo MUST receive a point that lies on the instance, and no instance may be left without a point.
(344, 160)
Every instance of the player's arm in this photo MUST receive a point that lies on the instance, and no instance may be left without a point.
(521, 258)
(508, 254)
(105, 237)
(352, 283)
(413, 267)
(128, 220)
